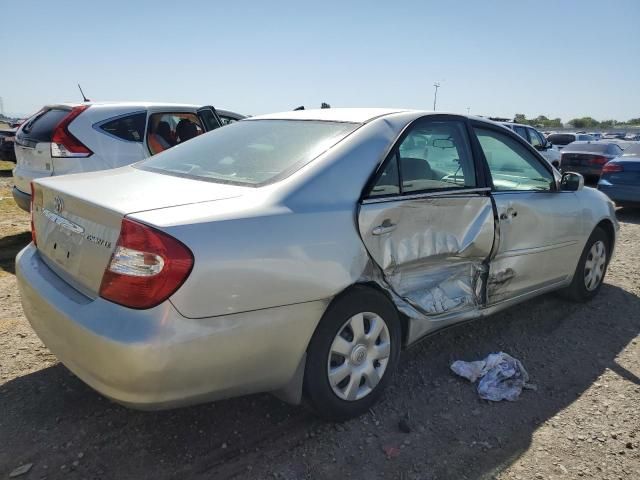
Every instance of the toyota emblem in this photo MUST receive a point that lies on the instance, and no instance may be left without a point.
(58, 204)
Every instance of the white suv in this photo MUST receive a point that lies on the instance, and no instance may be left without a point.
(73, 138)
(537, 140)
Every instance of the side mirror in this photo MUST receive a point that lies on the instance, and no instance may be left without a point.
(571, 182)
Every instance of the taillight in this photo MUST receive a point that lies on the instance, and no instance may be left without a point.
(146, 267)
(612, 167)
(63, 143)
(33, 228)
(598, 160)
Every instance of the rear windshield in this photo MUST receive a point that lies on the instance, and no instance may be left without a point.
(561, 138)
(40, 128)
(253, 153)
(632, 151)
(588, 147)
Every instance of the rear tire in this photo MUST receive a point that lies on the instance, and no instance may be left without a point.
(352, 354)
(592, 268)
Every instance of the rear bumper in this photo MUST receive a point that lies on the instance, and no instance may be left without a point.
(156, 358)
(23, 200)
(621, 194)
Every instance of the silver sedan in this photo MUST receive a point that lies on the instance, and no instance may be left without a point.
(299, 253)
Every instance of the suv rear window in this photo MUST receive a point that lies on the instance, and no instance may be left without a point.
(130, 128)
(561, 138)
(40, 128)
(252, 153)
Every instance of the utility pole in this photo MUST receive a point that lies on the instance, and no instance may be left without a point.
(435, 95)
(1, 107)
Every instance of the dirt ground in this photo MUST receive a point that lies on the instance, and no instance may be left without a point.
(583, 420)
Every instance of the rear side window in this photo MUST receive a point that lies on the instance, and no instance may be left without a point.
(40, 128)
(130, 128)
(169, 129)
(561, 138)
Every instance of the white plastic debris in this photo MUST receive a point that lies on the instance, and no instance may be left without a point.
(502, 377)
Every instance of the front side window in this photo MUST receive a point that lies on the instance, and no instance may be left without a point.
(534, 138)
(512, 166)
(252, 153)
(130, 128)
(169, 129)
(521, 131)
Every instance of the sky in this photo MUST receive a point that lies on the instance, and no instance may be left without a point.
(564, 59)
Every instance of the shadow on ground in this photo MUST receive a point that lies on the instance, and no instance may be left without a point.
(629, 215)
(9, 248)
(49, 417)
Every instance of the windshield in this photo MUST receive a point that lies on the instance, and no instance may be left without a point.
(252, 152)
(588, 147)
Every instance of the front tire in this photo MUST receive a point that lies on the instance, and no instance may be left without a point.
(352, 354)
(591, 269)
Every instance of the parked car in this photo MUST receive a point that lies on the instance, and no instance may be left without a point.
(7, 139)
(588, 158)
(227, 117)
(300, 252)
(72, 138)
(596, 135)
(632, 137)
(620, 178)
(561, 140)
(613, 135)
(537, 140)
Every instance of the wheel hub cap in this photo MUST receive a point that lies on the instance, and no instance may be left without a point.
(358, 356)
(594, 265)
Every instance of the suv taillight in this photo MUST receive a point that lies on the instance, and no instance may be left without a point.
(146, 267)
(63, 143)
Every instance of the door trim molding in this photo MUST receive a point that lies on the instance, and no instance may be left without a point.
(438, 194)
(531, 251)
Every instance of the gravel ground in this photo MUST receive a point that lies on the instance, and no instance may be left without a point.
(581, 422)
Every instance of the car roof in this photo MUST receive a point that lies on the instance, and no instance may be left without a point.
(513, 124)
(124, 104)
(358, 115)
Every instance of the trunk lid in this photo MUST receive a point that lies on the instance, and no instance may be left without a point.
(77, 218)
(630, 175)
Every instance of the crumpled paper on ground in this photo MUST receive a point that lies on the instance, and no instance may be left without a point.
(502, 377)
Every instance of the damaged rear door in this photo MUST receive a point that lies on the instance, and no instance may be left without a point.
(428, 223)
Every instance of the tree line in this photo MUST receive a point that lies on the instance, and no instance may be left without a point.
(584, 122)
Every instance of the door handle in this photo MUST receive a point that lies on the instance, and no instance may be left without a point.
(386, 227)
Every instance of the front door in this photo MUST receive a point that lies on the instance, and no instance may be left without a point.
(427, 222)
(538, 226)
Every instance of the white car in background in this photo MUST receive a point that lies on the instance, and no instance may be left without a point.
(537, 140)
(83, 137)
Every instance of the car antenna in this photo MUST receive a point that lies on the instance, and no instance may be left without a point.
(84, 98)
